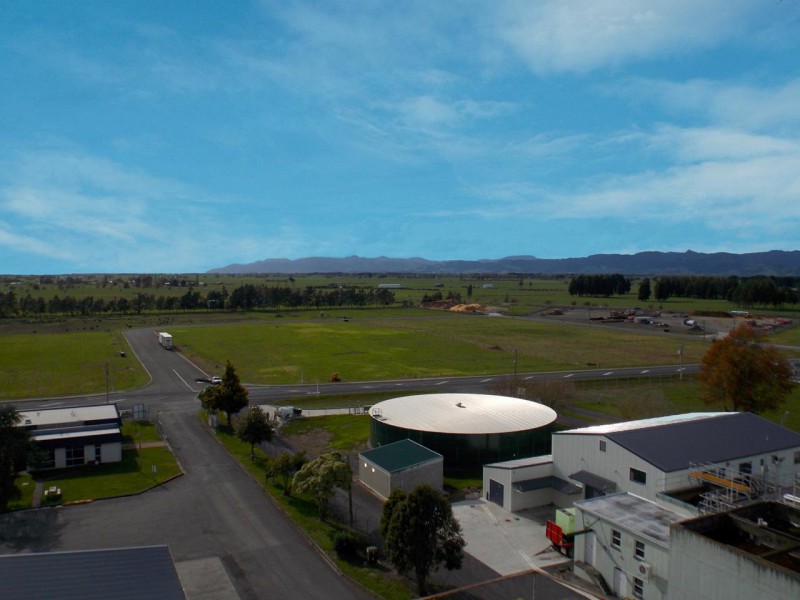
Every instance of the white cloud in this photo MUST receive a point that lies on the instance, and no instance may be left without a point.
(581, 35)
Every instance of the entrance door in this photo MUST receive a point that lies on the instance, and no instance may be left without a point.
(496, 492)
(620, 583)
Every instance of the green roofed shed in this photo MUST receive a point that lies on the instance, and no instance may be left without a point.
(401, 465)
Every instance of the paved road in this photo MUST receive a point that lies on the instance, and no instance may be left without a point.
(215, 519)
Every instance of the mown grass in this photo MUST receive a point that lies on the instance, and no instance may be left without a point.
(303, 511)
(25, 485)
(48, 364)
(131, 476)
(451, 345)
(139, 431)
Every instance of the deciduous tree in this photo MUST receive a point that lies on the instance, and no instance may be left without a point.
(421, 534)
(14, 448)
(320, 476)
(254, 428)
(742, 374)
(285, 465)
(644, 290)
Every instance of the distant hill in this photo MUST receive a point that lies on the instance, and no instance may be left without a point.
(775, 262)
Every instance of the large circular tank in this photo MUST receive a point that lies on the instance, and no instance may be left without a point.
(469, 430)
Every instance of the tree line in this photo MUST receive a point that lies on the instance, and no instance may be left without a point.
(245, 297)
(743, 291)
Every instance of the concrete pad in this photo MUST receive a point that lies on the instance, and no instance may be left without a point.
(206, 579)
(506, 542)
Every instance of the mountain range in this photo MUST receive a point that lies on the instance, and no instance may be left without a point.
(774, 262)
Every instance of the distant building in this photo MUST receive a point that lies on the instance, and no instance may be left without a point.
(390, 286)
(70, 437)
(402, 465)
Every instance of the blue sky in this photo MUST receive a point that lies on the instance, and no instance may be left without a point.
(177, 136)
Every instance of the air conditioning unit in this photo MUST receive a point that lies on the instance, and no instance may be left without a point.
(646, 570)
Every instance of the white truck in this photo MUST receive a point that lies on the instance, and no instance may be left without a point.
(165, 339)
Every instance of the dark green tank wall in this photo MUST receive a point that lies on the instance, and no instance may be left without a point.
(465, 454)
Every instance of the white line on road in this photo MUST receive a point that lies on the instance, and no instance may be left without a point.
(609, 373)
(52, 404)
(399, 384)
(441, 382)
(183, 380)
(529, 377)
(570, 375)
(645, 371)
(485, 380)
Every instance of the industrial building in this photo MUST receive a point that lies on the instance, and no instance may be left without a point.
(468, 430)
(402, 465)
(625, 540)
(695, 462)
(526, 483)
(70, 437)
(749, 552)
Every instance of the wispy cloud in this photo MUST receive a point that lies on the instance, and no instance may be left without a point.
(581, 35)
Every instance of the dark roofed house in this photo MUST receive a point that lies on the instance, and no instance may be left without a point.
(401, 465)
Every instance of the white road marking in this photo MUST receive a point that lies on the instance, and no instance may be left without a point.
(609, 373)
(183, 380)
(52, 404)
(442, 382)
(529, 377)
(485, 380)
(645, 371)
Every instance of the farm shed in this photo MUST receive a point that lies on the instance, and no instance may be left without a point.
(402, 465)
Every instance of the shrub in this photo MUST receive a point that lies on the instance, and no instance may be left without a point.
(347, 543)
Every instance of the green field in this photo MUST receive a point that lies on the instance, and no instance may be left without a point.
(439, 345)
(69, 363)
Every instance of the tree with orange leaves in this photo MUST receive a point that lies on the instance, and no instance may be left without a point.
(741, 373)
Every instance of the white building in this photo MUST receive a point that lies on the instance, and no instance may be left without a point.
(70, 437)
(526, 483)
(682, 459)
(749, 552)
(626, 540)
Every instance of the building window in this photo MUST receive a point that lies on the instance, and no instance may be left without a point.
(638, 551)
(746, 468)
(638, 588)
(75, 456)
(602, 445)
(638, 476)
(616, 539)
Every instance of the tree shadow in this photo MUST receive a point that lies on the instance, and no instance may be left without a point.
(36, 530)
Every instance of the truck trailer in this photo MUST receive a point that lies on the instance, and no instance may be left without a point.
(165, 339)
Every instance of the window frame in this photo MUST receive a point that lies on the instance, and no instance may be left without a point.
(616, 539)
(634, 475)
(638, 550)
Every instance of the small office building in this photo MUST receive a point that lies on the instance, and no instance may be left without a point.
(71, 437)
(402, 465)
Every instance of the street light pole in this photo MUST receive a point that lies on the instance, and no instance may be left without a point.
(106, 382)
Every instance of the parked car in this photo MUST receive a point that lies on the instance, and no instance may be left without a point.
(215, 380)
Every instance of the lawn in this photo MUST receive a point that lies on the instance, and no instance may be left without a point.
(440, 345)
(139, 471)
(349, 433)
(71, 363)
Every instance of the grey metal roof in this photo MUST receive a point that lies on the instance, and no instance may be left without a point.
(42, 417)
(400, 455)
(116, 574)
(673, 445)
(637, 515)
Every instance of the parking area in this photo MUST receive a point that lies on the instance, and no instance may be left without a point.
(507, 542)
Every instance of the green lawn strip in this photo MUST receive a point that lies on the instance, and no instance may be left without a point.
(349, 433)
(303, 511)
(131, 476)
(380, 349)
(25, 485)
(47, 364)
(139, 431)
